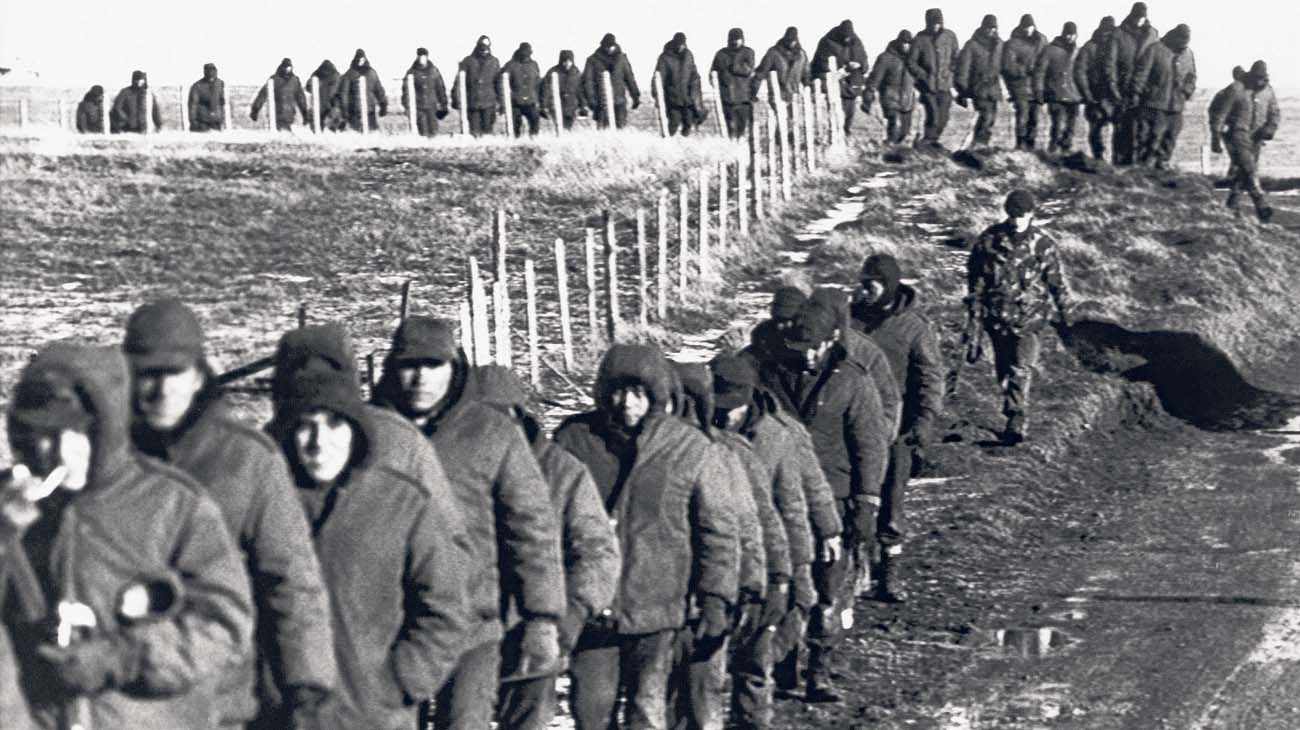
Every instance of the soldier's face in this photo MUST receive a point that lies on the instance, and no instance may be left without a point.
(783, 324)
(1023, 222)
(75, 453)
(567, 64)
(907, 47)
(812, 357)
(424, 384)
(734, 418)
(139, 83)
(936, 27)
(323, 440)
(630, 404)
(422, 60)
(163, 397)
(872, 290)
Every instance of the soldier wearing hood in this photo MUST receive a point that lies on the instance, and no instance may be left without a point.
(396, 577)
(327, 80)
(790, 61)
(430, 102)
(976, 79)
(1251, 119)
(572, 104)
(684, 102)
(289, 97)
(1054, 84)
(128, 113)
(1134, 35)
(347, 95)
(523, 77)
(207, 102)
(1018, 58)
(480, 69)
(90, 111)
(931, 62)
(610, 57)
(128, 558)
(665, 490)
(1163, 80)
(504, 497)
(734, 66)
(843, 44)
(893, 84)
(1090, 80)
(1014, 281)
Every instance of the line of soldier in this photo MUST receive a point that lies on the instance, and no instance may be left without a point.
(430, 555)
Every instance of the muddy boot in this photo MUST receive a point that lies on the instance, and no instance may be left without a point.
(1264, 210)
(1015, 430)
(889, 587)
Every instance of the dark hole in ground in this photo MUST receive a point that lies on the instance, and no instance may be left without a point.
(1194, 380)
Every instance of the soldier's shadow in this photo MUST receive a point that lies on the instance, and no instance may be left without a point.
(1194, 380)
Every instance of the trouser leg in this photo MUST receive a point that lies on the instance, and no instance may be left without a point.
(675, 116)
(527, 705)
(850, 111)
(569, 118)
(645, 665)
(1014, 357)
(620, 117)
(1026, 122)
(930, 103)
(987, 116)
(751, 688)
(904, 126)
(1097, 121)
(697, 699)
(426, 123)
(1172, 127)
(467, 700)
(594, 674)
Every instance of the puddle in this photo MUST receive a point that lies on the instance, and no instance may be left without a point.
(1027, 643)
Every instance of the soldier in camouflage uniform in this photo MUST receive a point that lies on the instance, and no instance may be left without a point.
(1013, 270)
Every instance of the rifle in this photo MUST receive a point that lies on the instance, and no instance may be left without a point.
(972, 339)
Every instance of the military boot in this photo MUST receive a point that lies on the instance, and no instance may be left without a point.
(820, 688)
(1264, 210)
(889, 587)
(1015, 430)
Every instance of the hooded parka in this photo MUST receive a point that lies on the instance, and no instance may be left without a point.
(347, 95)
(289, 97)
(90, 111)
(128, 114)
(207, 101)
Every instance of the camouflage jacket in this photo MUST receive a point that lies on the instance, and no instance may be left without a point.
(1011, 276)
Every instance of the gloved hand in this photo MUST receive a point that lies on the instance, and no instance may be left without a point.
(305, 697)
(441, 114)
(831, 550)
(539, 648)
(714, 622)
(963, 101)
(94, 664)
(636, 102)
(1260, 136)
(1216, 144)
(582, 111)
(571, 627)
(805, 590)
(751, 612)
(253, 116)
(776, 602)
(383, 110)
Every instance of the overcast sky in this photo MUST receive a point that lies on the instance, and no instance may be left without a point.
(85, 42)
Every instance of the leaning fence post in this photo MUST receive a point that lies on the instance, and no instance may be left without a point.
(723, 204)
(661, 268)
(363, 104)
(643, 280)
(530, 295)
(683, 236)
(270, 104)
(315, 104)
(562, 284)
(501, 320)
(182, 106)
(742, 193)
(717, 104)
(661, 104)
(411, 105)
(593, 322)
(478, 311)
(463, 98)
(557, 103)
(405, 307)
(704, 223)
(607, 88)
(507, 103)
(611, 272)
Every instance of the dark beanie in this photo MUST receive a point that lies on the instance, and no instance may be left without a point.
(209, 67)
(422, 51)
(1070, 28)
(1259, 70)
(317, 388)
(360, 54)
(933, 16)
(1020, 202)
(138, 76)
(424, 339)
(990, 22)
(1238, 73)
(734, 380)
(1107, 23)
(1139, 10)
(846, 27)
(904, 36)
(816, 325)
(735, 34)
(791, 35)
(525, 49)
(163, 335)
(786, 302)
(566, 55)
(608, 40)
(884, 268)
(49, 402)
(679, 39)
(1027, 20)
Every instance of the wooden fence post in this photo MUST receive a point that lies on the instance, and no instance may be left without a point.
(717, 104)
(661, 104)
(363, 104)
(562, 284)
(270, 104)
(228, 120)
(773, 159)
(742, 193)
(478, 312)
(756, 159)
(704, 222)
(148, 111)
(508, 104)
(661, 252)
(315, 105)
(467, 330)
(607, 89)
(463, 99)
(833, 99)
(593, 322)
(557, 103)
(182, 105)
(411, 105)
(797, 161)
(643, 280)
(783, 137)
(63, 114)
(499, 244)
(501, 320)
(105, 118)
(683, 236)
(405, 307)
(809, 128)
(611, 271)
(530, 292)
(723, 214)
